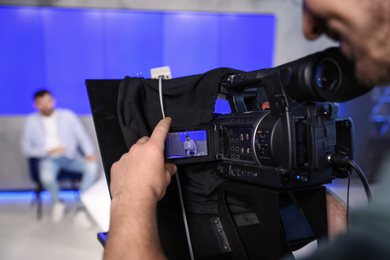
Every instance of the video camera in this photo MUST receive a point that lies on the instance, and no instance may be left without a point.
(290, 145)
(279, 157)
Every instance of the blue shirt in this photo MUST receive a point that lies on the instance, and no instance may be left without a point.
(71, 131)
(189, 144)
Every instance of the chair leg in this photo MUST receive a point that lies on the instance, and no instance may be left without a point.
(39, 209)
(38, 199)
(75, 188)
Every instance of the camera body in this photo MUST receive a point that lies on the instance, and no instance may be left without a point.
(288, 151)
(284, 152)
(288, 146)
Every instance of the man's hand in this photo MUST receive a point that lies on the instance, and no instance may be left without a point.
(138, 180)
(57, 151)
(142, 172)
(90, 158)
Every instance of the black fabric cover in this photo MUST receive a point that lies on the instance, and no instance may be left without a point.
(189, 101)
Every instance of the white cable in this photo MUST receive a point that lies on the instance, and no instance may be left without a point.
(161, 95)
(183, 211)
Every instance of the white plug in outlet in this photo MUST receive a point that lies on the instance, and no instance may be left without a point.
(161, 71)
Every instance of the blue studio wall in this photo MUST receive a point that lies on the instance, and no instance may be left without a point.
(58, 48)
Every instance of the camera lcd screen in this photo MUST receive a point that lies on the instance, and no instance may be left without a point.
(187, 144)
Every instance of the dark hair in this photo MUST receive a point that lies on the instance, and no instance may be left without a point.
(187, 136)
(41, 93)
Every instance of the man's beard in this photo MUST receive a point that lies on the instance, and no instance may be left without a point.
(47, 112)
(372, 72)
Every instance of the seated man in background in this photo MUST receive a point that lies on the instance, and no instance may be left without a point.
(55, 137)
(190, 147)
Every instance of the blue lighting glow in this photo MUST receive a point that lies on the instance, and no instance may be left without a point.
(59, 48)
(23, 196)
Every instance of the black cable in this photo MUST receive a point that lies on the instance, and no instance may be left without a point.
(339, 159)
(348, 189)
(361, 176)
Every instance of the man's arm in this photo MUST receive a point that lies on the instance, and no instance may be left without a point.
(83, 139)
(30, 138)
(138, 180)
(337, 214)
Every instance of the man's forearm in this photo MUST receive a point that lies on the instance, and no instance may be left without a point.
(337, 214)
(133, 230)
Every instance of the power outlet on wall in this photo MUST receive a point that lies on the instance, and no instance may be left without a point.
(161, 71)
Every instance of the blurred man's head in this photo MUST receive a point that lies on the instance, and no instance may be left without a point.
(44, 102)
(361, 26)
(188, 138)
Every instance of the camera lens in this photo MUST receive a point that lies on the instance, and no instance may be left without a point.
(327, 75)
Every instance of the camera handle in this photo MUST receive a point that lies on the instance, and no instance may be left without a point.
(243, 91)
(239, 88)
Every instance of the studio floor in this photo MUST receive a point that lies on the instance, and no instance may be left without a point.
(24, 237)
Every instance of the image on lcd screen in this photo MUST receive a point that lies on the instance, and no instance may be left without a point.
(186, 144)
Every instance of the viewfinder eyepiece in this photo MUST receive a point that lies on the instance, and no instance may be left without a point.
(327, 75)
